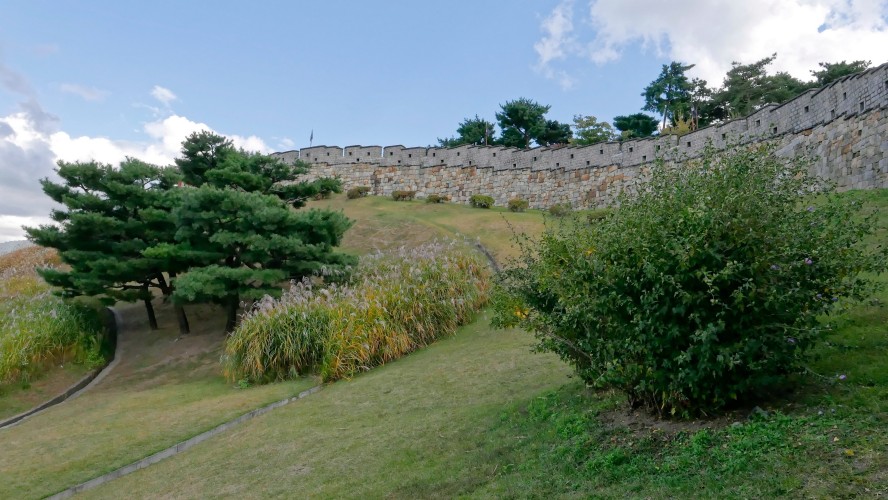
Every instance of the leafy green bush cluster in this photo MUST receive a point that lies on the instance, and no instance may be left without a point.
(36, 327)
(393, 304)
(560, 209)
(403, 195)
(518, 205)
(437, 198)
(481, 201)
(703, 289)
(357, 192)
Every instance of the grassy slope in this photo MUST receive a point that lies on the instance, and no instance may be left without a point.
(163, 391)
(20, 397)
(384, 223)
(477, 415)
(413, 428)
(168, 390)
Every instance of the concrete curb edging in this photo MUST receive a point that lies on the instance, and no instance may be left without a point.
(90, 379)
(493, 263)
(180, 447)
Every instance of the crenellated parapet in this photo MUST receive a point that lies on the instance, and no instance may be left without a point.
(843, 124)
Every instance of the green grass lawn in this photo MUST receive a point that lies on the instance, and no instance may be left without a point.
(19, 397)
(165, 389)
(480, 416)
(383, 223)
(413, 428)
(475, 415)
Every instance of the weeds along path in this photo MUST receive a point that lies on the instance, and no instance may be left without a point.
(398, 430)
(165, 389)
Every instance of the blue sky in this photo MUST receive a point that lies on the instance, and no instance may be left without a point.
(103, 79)
(355, 72)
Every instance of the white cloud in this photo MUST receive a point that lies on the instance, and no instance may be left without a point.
(28, 153)
(32, 141)
(86, 93)
(11, 226)
(163, 94)
(556, 44)
(285, 143)
(714, 33)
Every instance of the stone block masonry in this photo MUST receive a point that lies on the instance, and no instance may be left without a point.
(843, 127)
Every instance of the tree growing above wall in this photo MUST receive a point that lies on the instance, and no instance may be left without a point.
(472, 131)
(588, 130)
(636, 125)
(830, 72)
(523, 122)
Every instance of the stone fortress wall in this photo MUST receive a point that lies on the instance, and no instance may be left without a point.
(844, 126)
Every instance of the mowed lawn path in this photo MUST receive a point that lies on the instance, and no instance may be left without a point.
(412, 428)
(163, 390)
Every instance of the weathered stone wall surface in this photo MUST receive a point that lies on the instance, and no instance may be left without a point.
(843, 126)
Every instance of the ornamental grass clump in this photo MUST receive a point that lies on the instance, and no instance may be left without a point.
(704, 289)
(393, 304)
(38, 328)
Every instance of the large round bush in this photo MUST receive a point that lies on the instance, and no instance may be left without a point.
(700, 290)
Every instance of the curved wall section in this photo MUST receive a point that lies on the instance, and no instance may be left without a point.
(843, 126)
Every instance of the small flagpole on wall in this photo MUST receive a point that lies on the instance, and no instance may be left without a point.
(311, 138)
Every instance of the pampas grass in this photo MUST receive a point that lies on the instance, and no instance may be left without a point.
(394, 303)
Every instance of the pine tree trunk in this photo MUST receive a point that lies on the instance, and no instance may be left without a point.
(149, 308)
(184, 327)
(231, 314)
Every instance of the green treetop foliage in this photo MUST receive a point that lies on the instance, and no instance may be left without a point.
(670, 93)
(637, 125)
(523, 122)
(830, 72)
(249, 243)
(552, 133)
(588, 130)
(472, 131)
(110, 216)
(208, 158)
(235, 223)
(748, 87)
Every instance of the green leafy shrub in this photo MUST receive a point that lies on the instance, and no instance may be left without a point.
(326, 187)
(357, 192)
(518, 205)
(392, 304)
(560, 209)
(437, 198)
(481, 201)
(703, 289)
(403, 195)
